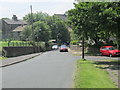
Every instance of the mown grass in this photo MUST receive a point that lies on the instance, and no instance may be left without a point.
(88, 76)
(13, 43)
(2, 58)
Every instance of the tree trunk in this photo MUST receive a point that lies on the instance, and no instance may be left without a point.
(83, 47)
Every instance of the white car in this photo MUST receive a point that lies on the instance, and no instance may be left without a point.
(55, 47)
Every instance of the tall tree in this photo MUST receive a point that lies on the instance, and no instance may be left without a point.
(38, 16)
(42, 31)
(98, 20)
(57, 26)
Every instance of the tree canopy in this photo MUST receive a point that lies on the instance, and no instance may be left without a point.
(98, 21)
(46, 27)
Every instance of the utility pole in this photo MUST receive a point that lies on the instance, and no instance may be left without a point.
(31, 17)
(31, 22)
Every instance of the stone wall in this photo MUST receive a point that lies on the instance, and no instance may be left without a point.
(87, 49)
(17, 51)
(22, 50)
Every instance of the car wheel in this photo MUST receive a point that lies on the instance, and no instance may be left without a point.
(110, 55)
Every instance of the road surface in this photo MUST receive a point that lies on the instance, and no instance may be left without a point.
(52, 69)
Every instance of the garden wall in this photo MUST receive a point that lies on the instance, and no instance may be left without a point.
(17, 51)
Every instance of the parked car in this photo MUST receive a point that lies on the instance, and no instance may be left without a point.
(55, 47)
(63, 48)
(109, 50)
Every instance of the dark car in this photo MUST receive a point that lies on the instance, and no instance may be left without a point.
(63, 48)
(109, 50)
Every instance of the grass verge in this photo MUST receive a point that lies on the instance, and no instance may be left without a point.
(88, 76)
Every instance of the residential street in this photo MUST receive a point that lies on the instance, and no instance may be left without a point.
(49, 70)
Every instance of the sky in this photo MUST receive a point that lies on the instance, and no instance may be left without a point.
(8, 8)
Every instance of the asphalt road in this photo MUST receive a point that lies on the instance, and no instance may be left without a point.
(52, 69)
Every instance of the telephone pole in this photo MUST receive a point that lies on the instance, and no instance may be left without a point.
(31, 17)
(32, 21)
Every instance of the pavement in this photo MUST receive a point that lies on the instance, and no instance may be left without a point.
(18, 59)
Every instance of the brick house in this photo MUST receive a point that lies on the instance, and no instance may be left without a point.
(11, 28)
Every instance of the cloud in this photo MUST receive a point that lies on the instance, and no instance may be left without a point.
(21, 9)
(19, 1)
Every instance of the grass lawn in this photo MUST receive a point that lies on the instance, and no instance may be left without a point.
(1, 58)
(16, 43)
(88, 76)
(5, 43)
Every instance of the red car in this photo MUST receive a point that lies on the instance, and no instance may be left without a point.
(109, 50)
(63, 48)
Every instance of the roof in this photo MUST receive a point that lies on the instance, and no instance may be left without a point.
(19, 28)
(15, 22)
(62, 16)
(107, 46)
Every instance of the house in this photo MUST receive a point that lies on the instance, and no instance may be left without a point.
(11, 28)
(62, 16)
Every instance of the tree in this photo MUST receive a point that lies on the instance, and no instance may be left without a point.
(96, 20)
(59, 30)
(26, 34)
(42, 31)
(57, 27)
(38, 16)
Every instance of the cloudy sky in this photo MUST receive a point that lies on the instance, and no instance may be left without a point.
(22, 7)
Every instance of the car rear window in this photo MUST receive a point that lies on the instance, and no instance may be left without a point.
(103, 48)
(63, 46)
(112, 48)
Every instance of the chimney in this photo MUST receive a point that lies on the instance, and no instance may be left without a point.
(14, 18)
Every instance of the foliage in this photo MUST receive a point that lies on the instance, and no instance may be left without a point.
(26, 33)
(47, 27)
(74, 36)
(97, 21)
(42, 31)
(39, 16)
